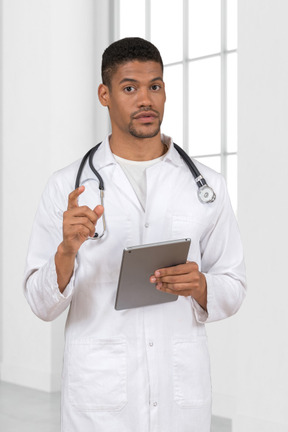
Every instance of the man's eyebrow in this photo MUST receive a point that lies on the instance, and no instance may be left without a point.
(157, 79)
(132, 80)
(128, 80)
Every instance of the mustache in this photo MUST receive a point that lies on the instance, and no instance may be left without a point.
(143, 110)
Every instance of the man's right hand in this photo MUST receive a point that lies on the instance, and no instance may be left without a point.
(78, 224)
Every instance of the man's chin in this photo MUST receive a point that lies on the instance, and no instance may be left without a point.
(144, 134)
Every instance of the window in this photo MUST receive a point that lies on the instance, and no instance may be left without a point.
(198, 43)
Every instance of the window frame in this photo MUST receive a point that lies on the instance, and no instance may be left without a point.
(222, 54)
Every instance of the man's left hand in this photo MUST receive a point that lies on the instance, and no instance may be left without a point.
(184, 280)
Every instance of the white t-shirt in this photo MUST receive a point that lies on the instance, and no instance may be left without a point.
(136, 174)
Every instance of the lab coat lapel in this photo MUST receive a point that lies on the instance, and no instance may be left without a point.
(162, 182)
(104, 161)
(160, 187)
(124, 187)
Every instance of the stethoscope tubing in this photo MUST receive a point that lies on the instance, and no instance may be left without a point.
(89, 155)
(205, 193)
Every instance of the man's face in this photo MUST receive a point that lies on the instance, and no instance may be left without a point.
(136, 99)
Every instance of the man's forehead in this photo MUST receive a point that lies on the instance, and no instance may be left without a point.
(138, 69)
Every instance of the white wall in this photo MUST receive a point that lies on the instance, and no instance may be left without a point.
(50, 118)
(262, 390)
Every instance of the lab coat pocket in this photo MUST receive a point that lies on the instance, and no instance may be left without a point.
(191, 372)
(97, 374)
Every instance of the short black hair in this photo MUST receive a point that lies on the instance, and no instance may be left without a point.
(125, 50)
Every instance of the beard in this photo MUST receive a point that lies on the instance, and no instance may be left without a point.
(139, 132)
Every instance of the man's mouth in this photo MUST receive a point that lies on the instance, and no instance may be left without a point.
(145, 116)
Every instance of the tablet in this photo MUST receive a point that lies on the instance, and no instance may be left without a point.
(138, 264)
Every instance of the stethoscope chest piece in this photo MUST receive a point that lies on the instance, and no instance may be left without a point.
(206, 194)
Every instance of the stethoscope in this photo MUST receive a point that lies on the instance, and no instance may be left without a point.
(205, 193)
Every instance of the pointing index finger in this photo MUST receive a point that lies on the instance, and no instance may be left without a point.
(73, 197)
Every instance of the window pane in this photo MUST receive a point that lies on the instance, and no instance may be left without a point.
(204, 27)
(232, 171)
(173, 118)
(212, 162)
(231, 24)
(232, 102)
(167, 29)
(132, 18)
(204, 107)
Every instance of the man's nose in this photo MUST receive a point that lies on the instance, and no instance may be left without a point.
(144, 97)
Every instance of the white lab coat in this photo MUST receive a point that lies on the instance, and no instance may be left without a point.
(145, 369)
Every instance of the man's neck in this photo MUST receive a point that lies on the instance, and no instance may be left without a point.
(137, 149)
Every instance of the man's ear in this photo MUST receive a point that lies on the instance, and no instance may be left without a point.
(104, 95)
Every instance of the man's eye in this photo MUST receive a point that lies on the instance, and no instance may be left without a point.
(156, 87)
(129, 89)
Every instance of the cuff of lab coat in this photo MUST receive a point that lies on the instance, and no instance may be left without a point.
(69, 288)
(42, 291)
(202, 315)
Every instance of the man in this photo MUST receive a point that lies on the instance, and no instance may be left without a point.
(142, 369)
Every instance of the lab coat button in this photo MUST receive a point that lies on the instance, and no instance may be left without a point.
(155, 404)
(146, 225)
(151, 344)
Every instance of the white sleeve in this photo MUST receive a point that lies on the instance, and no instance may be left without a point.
(222, 263)
(40, 281)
